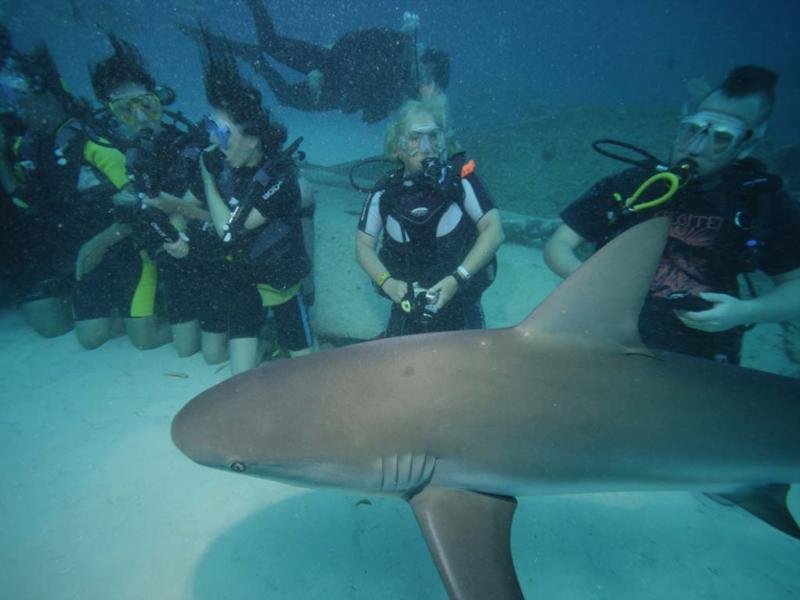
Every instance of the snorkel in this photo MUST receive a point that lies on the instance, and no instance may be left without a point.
(667, 179)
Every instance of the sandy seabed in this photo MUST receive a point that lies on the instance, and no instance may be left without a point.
(96, 502)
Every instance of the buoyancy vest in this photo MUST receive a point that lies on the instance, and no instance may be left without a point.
(417, 204)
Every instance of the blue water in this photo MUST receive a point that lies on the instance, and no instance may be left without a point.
(96, 503)
(509, 59)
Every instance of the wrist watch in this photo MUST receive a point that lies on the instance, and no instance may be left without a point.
(461, 275)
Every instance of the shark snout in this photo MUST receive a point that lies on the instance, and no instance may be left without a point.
(210, 432)
(193, 434)
(182, 432)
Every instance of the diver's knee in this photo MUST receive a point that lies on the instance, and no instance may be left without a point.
(214, 347)
(93, 333)
(49, 317)
(186, 338)
(147, 333)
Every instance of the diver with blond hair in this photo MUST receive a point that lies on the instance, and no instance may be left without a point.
(438, 226)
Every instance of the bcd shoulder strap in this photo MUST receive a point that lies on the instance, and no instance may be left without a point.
(750, 215)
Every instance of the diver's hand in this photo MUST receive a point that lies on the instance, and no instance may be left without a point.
(211, 163)
(203, 169)
(395, 289)
(125, 197)
(170, 204)
(727, 312)
(446, 289)
(89, 257)
(179, 249)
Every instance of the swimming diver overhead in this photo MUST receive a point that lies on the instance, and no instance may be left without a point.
(372, 70)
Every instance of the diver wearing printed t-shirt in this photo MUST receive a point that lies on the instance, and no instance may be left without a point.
(729, 216)
(253, 195)
(440, 229)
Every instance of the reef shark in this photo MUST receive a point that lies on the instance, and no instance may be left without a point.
(459, 424)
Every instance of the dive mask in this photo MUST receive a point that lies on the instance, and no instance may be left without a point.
(714, 135)
(126, 108)
(13, 86)
(428, 140)
(220, 133)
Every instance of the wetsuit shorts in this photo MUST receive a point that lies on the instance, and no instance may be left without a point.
(292, 324)
(126, 280)
(244, 303)
(187, 286)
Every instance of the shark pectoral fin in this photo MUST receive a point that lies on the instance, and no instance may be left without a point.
(768, 503)
(469, 536)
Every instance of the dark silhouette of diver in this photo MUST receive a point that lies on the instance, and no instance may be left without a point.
(373, 70)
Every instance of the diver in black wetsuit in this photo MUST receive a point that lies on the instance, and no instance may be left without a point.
(161, 151)
(373, 70)
(437, 227)
(251, 187)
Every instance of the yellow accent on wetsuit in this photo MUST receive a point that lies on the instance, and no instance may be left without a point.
(272, 297)
(143, 303)
(109, 161)
(19, 171)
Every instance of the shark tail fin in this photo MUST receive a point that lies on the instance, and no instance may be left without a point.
(469, 536)
(767, 502)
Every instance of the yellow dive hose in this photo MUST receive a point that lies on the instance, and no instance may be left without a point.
(675, 179)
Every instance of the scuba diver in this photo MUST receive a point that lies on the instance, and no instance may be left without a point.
(38, 243)
(372, 70)
(729, 217)
(58, 176)
(161, 151)
(253, 194)
(440, 229)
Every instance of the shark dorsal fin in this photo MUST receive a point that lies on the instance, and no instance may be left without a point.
(601, 301)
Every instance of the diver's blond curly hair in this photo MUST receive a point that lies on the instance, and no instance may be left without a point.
(435, 106)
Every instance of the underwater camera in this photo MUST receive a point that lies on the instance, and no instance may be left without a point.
(420, 304)
(686, 301)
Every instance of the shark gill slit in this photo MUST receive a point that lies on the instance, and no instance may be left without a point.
(415, 477)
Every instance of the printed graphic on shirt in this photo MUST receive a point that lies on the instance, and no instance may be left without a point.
(685, 265)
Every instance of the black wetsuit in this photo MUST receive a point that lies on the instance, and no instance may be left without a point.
(369, 70)
(428, 249)
(715, 236)
(167, 162)
(55, 210)
(273, 254)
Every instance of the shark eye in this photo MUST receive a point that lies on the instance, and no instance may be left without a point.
(239, 467)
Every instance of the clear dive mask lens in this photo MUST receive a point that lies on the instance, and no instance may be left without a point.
(712, 134)
(13, 86)
(430, 142)
(219, 133)
(126, 108)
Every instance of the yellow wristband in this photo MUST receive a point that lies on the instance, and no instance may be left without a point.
(383, 279)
